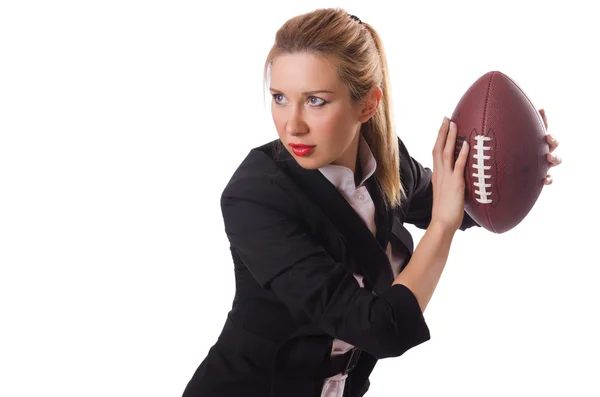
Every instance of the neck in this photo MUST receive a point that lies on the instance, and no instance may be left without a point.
(349, 158)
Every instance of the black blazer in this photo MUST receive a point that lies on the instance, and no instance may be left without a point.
(295, 242)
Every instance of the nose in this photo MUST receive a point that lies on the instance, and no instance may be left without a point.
(295, 124)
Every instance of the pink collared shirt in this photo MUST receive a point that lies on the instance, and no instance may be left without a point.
(360, 199)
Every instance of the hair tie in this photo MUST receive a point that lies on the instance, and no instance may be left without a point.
(357, 19)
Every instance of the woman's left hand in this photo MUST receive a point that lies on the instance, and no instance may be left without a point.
(553, 160)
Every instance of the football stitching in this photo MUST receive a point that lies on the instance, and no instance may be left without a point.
(480, 167)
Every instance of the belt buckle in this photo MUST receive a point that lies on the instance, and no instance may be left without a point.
(352, 361)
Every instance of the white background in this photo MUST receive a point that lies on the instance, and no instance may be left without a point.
(122, 121)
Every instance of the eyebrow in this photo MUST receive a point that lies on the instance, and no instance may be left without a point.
(306, 92)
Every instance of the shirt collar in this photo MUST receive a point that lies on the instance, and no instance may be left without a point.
(342, 177)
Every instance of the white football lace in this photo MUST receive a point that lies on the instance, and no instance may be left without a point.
(482, 187)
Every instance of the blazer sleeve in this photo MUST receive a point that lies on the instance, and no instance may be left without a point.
(420, 192)
(267, 232)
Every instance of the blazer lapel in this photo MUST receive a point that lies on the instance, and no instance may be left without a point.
(403, 235)
(367, 250)
(383, 216)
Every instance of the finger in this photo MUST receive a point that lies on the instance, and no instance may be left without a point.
(438, 148)
(552, 141)
(553, 160)
(548, 180)
(461, 161)
(448, 156)
(543, 114)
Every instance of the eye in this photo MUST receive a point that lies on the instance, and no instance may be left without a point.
(276, 97)
(313, 101)
(323, 102)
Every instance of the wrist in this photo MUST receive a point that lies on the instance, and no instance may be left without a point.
(442, 229)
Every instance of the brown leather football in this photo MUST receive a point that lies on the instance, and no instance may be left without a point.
(507, 163)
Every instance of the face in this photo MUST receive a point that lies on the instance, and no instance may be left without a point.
(315, 118)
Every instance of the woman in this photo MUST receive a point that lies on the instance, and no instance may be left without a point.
(327, 281)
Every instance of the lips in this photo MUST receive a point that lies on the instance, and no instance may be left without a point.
(301, 150)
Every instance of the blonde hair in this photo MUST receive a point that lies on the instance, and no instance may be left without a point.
(362, 64)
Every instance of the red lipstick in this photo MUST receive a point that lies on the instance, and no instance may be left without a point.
(301, 150)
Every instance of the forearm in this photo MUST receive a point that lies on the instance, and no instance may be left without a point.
(423, 271)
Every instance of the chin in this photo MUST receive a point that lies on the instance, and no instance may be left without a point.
(310, 162)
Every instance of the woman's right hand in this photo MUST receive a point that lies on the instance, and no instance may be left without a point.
(448, 178)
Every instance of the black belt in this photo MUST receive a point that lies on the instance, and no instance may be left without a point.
(341, 364)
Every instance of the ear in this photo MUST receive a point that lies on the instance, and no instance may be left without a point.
(370, 104)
